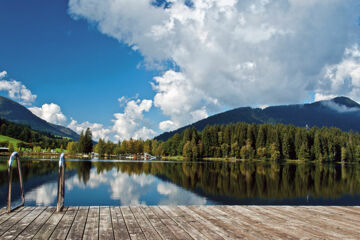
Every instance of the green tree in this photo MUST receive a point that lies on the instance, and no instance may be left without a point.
(85, 142)
(72, 148)
(274, 152)
(11, 147)
(187, 151)
(100, 147)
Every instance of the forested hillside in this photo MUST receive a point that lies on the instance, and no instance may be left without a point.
(29, 136)
(340, 112)
(260, 141)
(17, 113)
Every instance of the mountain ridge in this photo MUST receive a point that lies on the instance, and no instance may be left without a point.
(341, 112)
(15, 112)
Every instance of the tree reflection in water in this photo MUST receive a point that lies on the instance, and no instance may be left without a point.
(250, 182)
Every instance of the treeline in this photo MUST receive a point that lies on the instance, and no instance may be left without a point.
(247, 141)
(30, 137)
(131, 146)
(264, 141)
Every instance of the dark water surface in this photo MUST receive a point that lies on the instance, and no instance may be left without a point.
(113, 182)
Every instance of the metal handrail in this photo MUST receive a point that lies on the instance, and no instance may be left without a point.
(14, 156)
(61, 184)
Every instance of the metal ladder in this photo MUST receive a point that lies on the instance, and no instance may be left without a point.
(61, 182)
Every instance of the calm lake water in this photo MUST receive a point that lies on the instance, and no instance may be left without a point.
(114, 182)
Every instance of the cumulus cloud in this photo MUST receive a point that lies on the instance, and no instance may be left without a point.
(342, 78)
(131, 123)
(3, 74)
(167, 125)
(98, 130)
(128, 124)
(233, 53)
(178, 99)
(16, 90)
(50, 113)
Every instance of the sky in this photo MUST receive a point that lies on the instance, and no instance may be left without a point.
(137, 68)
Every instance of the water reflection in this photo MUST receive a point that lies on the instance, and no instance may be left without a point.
(183, 183)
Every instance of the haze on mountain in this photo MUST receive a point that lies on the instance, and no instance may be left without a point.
(339, 112)
(15, 112)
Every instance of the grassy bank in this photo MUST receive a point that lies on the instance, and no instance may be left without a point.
(10, 140)
(220, 159)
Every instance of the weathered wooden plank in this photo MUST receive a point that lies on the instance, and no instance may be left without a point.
(260, 223)
(282, 225)
(6, 215)
(206, 222)
(92, 224)
(235, 230)
(332, 220)
(183, 222)
(47, 229)
(105, 225)
(77, 229)
(354, 212)
(343, 214)
(2, 211)
(120, 230)
(190, 225)
(34, 227)
(173, 226)
(14, 219)
(144, 223)
(62, 229)
(297, 224)
(281, 222)
(238, 225)
(336, 228)
(16, 229)
(132, 225)
(159, 226)
(308, 223)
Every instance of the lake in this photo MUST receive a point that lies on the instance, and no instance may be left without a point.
(115, 182)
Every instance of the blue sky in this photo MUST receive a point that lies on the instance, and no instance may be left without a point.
(68, 62)
(173, 63)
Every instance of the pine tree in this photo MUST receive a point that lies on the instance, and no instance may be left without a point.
(187, 151)
(261, 137)
(318, 147)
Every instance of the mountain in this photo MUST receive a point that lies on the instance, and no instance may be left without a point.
(15, 112)
(340, 112)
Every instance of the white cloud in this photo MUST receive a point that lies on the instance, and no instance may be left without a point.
(321, 97)
(167, 125)
(178, 99)
(342, 78)
(231, 53)
(340, 108)
(98, 130)
(131, 122)
(16, 90)
(3, 74)
(50, 113)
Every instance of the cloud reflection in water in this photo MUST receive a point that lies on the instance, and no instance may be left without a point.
(115, 188)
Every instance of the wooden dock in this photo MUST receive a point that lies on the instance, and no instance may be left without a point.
(181, 222)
